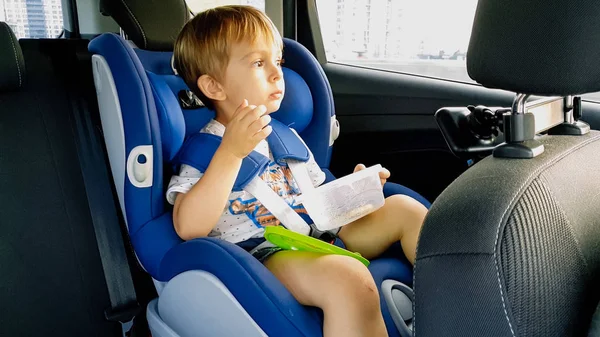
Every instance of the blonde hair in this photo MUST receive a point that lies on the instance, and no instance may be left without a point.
(202, 47)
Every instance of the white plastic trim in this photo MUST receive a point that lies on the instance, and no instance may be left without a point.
(196, 303)
(140, 174)
(158, 328)
(112, 123)
(334, 133)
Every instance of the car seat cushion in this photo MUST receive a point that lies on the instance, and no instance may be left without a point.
(390, 189)
(267, 301)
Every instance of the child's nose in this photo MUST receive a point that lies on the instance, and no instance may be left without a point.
(277, 74)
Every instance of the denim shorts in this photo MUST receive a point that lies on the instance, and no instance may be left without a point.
(261, 254)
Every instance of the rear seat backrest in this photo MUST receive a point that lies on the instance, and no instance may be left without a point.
(52, 280)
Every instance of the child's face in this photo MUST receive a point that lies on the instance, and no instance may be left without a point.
(253, 73)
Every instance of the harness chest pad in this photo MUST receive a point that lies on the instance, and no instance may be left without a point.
(199, 149)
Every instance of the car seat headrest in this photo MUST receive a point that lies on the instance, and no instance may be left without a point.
(150, 25)
(544, 47)
(12, 64)
(296, 109)
(170, 117)
(175, 124)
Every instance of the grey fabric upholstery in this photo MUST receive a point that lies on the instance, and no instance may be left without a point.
(545, 47)
(512, 247)
(595, 328)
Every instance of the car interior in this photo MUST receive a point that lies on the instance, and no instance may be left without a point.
(92, 124)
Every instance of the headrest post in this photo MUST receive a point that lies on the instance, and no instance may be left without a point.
(519, 132)
(568, 102)
(568, 109)
(518, 106)
(518, 125)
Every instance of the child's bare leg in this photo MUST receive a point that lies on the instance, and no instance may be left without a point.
(400, 219)
(340, 285)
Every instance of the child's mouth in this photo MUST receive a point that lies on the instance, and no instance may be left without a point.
(276, 95)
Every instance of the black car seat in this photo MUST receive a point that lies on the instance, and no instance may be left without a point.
(512, 247)
(53, 281)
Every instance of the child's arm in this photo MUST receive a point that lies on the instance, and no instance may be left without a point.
(197, 212)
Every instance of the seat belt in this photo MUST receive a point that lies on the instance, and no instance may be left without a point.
(300, 174)
(123, 301)
(276, 205)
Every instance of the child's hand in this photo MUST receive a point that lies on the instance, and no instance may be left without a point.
(384, 174)
(248, 126)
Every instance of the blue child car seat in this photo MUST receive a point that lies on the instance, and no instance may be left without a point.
(208, 286)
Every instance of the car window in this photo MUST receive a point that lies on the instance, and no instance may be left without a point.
(33, 18)
(200, 5)
(399, 35)
(421, 37)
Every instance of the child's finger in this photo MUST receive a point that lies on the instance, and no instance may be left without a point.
(243, 112)
(359, 167)
(384, 173)
(240, 108)
(260, 124)
(254, 114)
(262, 134)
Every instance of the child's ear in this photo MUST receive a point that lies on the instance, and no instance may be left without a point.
(211, 88)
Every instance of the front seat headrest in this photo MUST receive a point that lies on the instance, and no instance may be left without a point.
(543, 47)
(151, 25)
(12, 64)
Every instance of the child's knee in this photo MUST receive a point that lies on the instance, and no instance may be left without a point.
(350, 278)
(407, 208)
(405, 202)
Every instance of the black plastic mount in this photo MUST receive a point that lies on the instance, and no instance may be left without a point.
(522, 150)
(477, 131)
(518, 127)
(519, 133)
(576, 128)
(572, 125)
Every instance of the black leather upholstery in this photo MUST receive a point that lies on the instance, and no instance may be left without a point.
(595, 328)
(12, 66)
(512, 247)
(52, 281)
(150, 24)
(545, 47)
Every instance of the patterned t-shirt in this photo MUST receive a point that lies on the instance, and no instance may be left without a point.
(244, 217)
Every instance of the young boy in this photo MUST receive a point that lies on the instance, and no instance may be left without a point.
(231, 58)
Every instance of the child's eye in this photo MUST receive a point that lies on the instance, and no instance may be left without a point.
(258, 63)
(280, 62)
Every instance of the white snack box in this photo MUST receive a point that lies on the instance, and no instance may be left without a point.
(345, 200)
